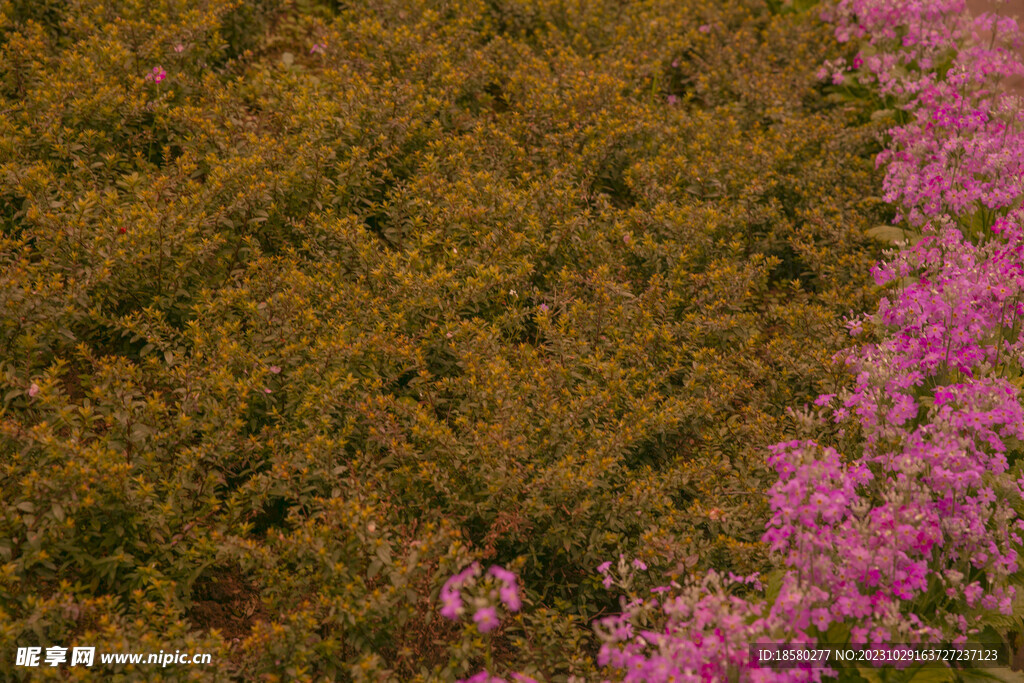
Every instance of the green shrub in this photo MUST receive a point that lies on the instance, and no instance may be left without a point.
(361, 292)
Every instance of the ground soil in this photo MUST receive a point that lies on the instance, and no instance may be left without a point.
(222, 599)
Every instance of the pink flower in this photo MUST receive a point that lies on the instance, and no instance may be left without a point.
(33, 389)
(972, 593)
(486, 619)
(502, 574)
(452, 604)
(510, 597)
(179, 48)
(482, 677)
(156, 75)
(706, 28)
(275, 369)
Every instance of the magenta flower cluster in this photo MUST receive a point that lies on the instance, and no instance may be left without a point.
(485, 614)
(915, 537)
(621, 576)
(484, 594)
(935, 399)
(485, 677)
(157, 74)
(706, 635)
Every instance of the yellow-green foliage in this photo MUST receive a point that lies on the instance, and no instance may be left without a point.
(363, 291)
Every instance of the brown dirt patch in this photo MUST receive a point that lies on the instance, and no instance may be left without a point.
(223, 599)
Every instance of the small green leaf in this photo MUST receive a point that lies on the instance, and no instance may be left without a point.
(374, 569)
(838, 633)
(890, 234)
(773, 584)
(869, 674)
(933, 674)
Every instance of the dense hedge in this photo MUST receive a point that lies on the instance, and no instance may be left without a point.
(304, 306)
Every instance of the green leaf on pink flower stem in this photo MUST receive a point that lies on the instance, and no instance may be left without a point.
(837, 633)
(976, 226)
(892, 234)
(932, 674)
(773, 584)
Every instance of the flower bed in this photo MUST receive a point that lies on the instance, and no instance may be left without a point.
(911, 533)
(305, 306)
